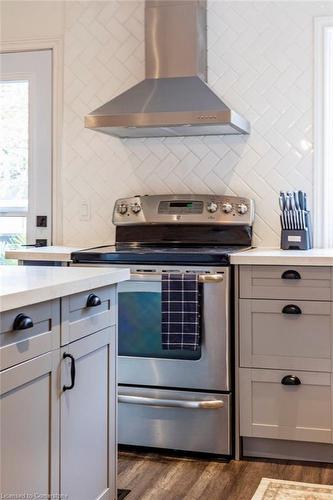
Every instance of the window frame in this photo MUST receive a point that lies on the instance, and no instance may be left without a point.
(323, 132)
(56, 45)
(35, 67)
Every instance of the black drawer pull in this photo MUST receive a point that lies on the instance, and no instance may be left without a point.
(290, 380)
(291, 275)
(93, 300)
(73, 371)
(291, 309)
(22, 322)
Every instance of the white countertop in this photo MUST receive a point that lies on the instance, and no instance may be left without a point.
(51, 253)
(263, 256)
(24, 285)
(276, 256)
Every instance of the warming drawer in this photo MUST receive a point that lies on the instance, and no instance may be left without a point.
(179, 420)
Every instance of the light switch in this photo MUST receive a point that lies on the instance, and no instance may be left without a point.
(85, 210)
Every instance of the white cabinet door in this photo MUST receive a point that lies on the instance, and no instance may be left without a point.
(88, 418)
(29, 429)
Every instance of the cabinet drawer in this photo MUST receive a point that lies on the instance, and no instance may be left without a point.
(271, 338)
(270, 409)
(174, 426)
(87, 312)
(36, 332)
(281, 282)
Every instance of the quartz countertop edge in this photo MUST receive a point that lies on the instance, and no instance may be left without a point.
(50, 253)
(276, 256)
(259, 256)
(21, 286)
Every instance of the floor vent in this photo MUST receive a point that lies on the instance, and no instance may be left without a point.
(122, 494)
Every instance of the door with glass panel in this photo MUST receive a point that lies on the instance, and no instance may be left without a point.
(25, 148)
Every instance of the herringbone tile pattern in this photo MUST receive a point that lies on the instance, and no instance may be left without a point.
(260, 59)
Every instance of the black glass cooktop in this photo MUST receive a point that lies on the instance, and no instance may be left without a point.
(128, 254)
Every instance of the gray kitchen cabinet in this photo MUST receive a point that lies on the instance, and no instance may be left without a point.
(87, 312)
(285, 329)
(270, 409)
(57, 440)
(286, 334)
(283, 282)
(19, 345)
(88, 418)
(29, 426)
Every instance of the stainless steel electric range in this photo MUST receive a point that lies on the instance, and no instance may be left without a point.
(182, 399)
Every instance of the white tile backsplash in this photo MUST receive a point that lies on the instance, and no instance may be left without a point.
(260, 59)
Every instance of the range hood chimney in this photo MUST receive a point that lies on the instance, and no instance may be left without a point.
(174, 98)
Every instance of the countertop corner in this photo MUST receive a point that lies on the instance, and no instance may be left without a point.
(25, 285)
(276, 256)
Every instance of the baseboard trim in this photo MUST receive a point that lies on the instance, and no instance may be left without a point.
(287, 450)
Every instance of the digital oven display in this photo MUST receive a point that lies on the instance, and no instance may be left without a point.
(181, 204)
(180, 207)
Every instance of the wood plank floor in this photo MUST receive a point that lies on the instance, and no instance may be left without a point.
(160, 477)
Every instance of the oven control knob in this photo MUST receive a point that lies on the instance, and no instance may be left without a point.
(136, 208)
(227, 208)
(212, 207)
(122, 209)
(242, 208)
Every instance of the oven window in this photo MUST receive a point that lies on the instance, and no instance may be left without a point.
(139, 327)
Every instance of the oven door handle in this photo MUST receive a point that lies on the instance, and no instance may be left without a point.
(174, 403)
(203, 278)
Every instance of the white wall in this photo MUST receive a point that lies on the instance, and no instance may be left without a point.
(260, 60)
(22, 20)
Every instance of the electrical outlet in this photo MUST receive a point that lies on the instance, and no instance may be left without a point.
(41, 221)
(85, 210)
(41, 242)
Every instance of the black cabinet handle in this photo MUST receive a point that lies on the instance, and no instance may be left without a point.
(68, 387)
(290, 380)
(93, 300)
(291, 309)
(291, 275)
(22, 322)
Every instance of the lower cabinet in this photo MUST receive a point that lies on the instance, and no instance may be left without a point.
(88, 418)
(286, 405)
(58, 422)
(29, 428)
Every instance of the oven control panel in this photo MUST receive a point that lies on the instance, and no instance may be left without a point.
(184, 209)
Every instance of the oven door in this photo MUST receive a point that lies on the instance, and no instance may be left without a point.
(143, 362)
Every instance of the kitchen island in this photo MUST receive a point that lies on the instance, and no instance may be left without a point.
(58, 381)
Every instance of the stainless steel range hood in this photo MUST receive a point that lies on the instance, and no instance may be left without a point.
(174, 99)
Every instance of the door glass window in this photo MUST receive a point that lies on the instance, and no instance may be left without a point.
(14, 147)
(25, 147)
(14, 151)
(139, 327)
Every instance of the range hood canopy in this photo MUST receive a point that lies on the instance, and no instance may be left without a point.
(174, 99)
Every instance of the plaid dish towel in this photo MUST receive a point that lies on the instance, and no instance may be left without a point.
(180, 311)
